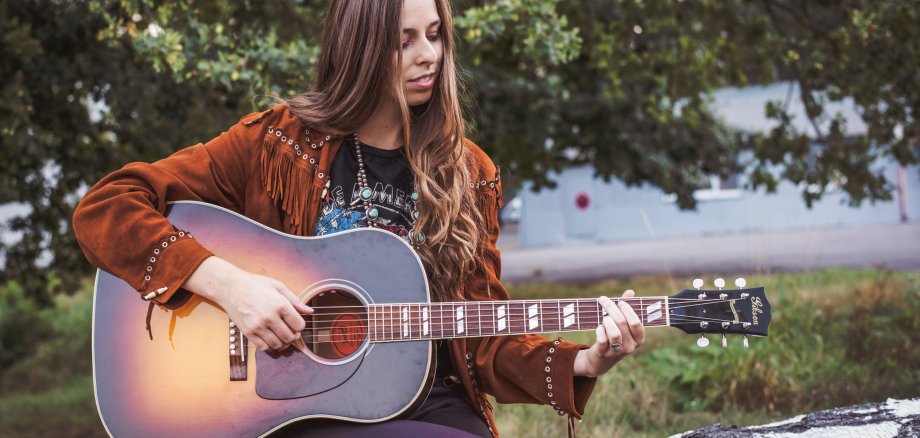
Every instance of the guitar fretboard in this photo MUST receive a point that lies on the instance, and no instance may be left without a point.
(417, 321)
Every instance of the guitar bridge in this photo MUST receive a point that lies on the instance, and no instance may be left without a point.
(239, 349)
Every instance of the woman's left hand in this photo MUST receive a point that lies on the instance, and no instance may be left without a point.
(620, 334)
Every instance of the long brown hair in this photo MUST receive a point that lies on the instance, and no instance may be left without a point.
(355, 71)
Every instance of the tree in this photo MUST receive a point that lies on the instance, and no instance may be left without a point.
(622, 85)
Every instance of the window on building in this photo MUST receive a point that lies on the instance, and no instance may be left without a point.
(715, 188)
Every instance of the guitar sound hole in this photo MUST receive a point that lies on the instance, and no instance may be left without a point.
(338, 327)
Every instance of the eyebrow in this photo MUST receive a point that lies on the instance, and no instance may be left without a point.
(412, 31)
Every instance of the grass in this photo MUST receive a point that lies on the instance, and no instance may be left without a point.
(838, 337)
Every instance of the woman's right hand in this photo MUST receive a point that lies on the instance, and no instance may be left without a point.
(264, 309)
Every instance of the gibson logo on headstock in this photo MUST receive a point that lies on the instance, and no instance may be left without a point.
(756, 307)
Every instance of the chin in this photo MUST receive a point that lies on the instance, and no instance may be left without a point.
(418, 99)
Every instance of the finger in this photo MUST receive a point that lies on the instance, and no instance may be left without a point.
(258, 342)
(616, 314)
(614, 336)
(272, 340)
(293, 320)
(282, 331)
(636, 329)
(294, 299)
(601, 342)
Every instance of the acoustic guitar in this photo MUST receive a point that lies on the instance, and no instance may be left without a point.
(366, 354)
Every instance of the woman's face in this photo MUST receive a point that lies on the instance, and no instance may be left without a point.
(422, 49)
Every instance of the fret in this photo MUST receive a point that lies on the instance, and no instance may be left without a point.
(415, 321)
(381, 326)
(386, 322)
(378, 318)
(589, 317)
(371, 323)
(460, 320)
(600, 312)
(559, 315)
(394, 321)
(578, 314)
(533, 316)
(378, 326)
(488, 315)
(545, 319)
(501, 318)
(478, 319)
(447, 330)
(425, 331)
(568, 315)
(402, 315)
(383, 322)
(522, 317)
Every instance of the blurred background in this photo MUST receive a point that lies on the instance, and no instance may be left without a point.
(643, 144)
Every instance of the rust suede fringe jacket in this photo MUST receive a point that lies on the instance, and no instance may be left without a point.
(264, 168)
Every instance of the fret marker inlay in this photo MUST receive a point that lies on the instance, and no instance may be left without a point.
(534, 313)
(654, 311)
(501, 317)
(568, 311)
(405, 319)
(424, 321)
(459, 319)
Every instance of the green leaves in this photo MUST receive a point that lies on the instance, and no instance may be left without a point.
(531, 29)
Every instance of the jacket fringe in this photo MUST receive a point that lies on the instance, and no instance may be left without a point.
(287, 182)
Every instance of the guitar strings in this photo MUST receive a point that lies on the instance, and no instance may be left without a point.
(397, 328)
(517, 325)
(396, 335)
(565, 301)
(543, 303)
(415, 311)
(395, 317)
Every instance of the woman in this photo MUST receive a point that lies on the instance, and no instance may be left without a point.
(378, 142)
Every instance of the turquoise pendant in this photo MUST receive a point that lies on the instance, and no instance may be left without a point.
(420, 237)
(373, 213)
(414, 196)
(415, 214)
(366, 193)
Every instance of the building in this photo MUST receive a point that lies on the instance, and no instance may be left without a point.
(585, 209)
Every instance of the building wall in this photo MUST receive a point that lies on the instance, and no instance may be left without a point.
(618, 213)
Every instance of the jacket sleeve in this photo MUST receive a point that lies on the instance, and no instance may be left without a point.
(522, 368)
(120, 223)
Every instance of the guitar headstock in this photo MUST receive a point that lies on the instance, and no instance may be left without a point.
(743, 311)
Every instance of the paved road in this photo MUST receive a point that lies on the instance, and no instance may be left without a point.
(896, 246)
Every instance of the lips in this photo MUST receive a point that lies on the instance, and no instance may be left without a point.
(424, 78)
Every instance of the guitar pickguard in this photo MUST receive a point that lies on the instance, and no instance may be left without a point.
(292, 374)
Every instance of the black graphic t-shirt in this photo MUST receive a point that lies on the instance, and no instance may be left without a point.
(390, 178)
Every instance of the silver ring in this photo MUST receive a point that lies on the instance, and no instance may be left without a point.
(616, 346)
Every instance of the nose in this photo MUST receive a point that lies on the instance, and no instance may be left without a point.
(427, 52)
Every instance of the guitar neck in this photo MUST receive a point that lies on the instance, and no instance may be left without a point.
(449, 320)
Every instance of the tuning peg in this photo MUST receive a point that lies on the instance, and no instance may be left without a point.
(698, 283)
(702, 342)
(745, 341)
(724, 342)
(740, 282)
(720, 283)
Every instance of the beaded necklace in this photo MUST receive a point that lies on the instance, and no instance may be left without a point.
(371, 214)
